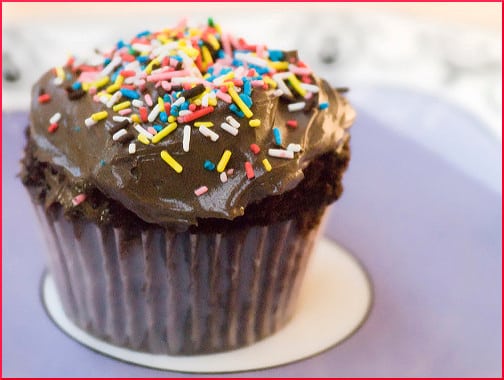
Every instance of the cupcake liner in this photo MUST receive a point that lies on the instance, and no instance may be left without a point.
(176, 293)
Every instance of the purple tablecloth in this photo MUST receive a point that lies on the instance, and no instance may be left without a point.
(429, 235)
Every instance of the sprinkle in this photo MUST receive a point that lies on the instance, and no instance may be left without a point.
(52, 128)
(194, 91)
(187, 138)
(114, 99)
(99, 115)
(255, 148)
(137, 103)
(208, 133)
(120, 133)
(154, 113)
(142, 131)
(310, 87)
(130, 93)
(164, 132)
(229, 129)
(89, 122)
(207, 124)
(102, 163)
(78, 199)
(249, 58)
(279, 79)
(152, 130)
(125, 112)
(143, 114)
(195, 115)
(281, 153)
(221, 166)
(233, 122)
(132, 148)
(55, 118)
(277, 136)
(209, 165)
(223, 177)
(178, 102)
(224, 97)
(296, 84)
(239, 102)
(201, 190)
(160, 103)
(323, 106)
(292, 123)
(143, 139)
(266, 165)
(44, 98)
(296, 148)
(120, 118)
(121, 106)
(249, 170)
(148, 100)
(255, 122)
(230, 171)
(296, 106)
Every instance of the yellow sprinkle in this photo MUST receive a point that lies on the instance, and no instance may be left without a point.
(99, 115)
(101, 82)
(121, 106)
(242, 106)
(164, 132)
(218, 29)
(113, 88)
(212, 102)
(223, 161)
(119, 80)
(207, 124)
(136, 118)
(266, 164)
(255, 123)
(163, 39)
(205, 54)
(85, 86)
(296, 84)
(190, 51)
(279, 66)
(207, 75)
(143, 139)
(270, 82)
(60, 73)
(160, 102)
(226, 77)
(197, 102)
(171, 161)
(151, 64)
(171, 119)
(213, 41)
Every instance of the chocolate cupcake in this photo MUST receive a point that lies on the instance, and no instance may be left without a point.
(180, 179)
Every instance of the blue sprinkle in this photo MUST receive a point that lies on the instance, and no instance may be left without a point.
(106, 61)
(142, 58)
(184, 106)
(246, 99)
(163, 117)
(323, 106)
(143, 34)
(277, 136)
(209, 165)
(102, 162)
(174, 111)
(120, 44)
(247, 87)
(260, 70)
(210, 70)
(237, 62)
(114, 76)
(236, 111)
(221, 54)
(158, 127)
(211, 78)
(77, 128)
(225, 70)
(76, 85)
(276, 55)
(166, 98)
(177, 58)
(130, 93)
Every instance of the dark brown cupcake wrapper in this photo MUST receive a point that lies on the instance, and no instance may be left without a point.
(177, 293)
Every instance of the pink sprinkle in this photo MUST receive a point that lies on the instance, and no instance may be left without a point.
(257, 83)
(230, 171)
(148, 100)
(88, 76)
(260, 51)
(125, 112)
(168, 75)
(224, 97)
(92, 90)
(201, 190)
(308, 95)
(223, 88)
(166, 85)
(299, 70)
(78, 199)
(158, 84)
(96, 98)
(226, 44)
(151, 130)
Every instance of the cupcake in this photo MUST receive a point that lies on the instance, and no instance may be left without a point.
(180, 179)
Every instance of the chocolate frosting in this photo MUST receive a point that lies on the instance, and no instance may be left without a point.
(146, 185)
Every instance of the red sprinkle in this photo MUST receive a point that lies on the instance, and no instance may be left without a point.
(306, 79)
(192, 107)
(129, 87)
(255, 148)
(249, 170)
(127, 73)
(292, 123)
(52, 128)
(44, 98)
(128, 57)
(195, 115)
(165, 62)
(186, 86)
(238, 82)
(223, 88)
(143, 114)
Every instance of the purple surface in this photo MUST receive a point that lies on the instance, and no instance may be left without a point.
(429, 235)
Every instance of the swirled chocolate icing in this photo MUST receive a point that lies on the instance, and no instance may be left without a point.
(143, 183)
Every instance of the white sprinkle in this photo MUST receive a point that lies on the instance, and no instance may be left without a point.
(143, 131)
(137, 103)
(120, 118)
(310, 87)
(249, 58)
(179, 80)
(114, 99)
(184, 112)
(279, 79)
(142, 47)
(179, 101)
(55, 118)
(153, 114)
(208, 133)
(104, 99)
(281, 153)
(233, 122)
(278, 93)
(201, 190)
(120, 133)
(116, 61)
(229, 129)
(89, 122)
(187, 138)
(132, 148)
(204, 101)
(58, 81)
(223, 177)
(296, 106)
(296, 148)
